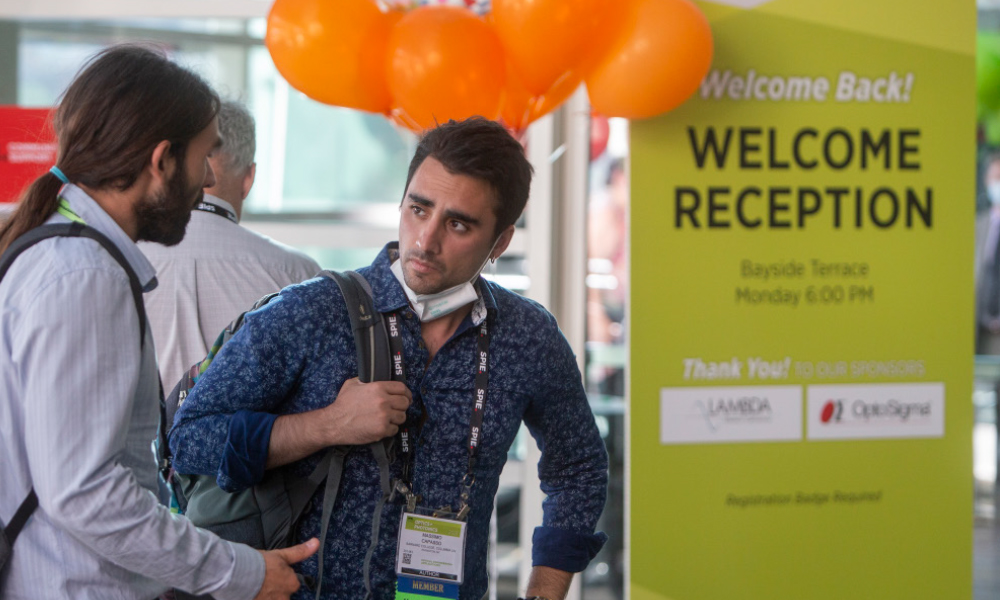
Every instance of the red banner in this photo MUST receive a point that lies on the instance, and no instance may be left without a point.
(27, 148)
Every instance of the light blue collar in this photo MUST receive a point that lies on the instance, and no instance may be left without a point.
(93, 215)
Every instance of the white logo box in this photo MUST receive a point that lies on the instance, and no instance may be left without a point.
(875, 411)
(706, 415)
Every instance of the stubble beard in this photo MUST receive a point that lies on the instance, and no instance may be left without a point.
(426, 285)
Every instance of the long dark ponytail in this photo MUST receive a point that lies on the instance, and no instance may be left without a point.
(125, 101)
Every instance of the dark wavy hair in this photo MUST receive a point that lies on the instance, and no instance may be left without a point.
(122, 103)
(484, 150)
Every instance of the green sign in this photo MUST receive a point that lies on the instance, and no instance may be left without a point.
(801, 310)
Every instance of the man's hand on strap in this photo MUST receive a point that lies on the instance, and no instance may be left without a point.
(362, 413)
(365, 412)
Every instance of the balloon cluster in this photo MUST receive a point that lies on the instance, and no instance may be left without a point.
(422, 62)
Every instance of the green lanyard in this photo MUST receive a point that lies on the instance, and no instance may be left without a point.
(67, 212)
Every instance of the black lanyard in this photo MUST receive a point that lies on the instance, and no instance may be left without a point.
(215, 209)
(482, 384)
(399, 374)
(478, 410)
(482, 381)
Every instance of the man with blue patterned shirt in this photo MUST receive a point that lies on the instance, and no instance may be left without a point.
(284, 388)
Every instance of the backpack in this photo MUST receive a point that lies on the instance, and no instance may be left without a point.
(10, 531)
(265, 515)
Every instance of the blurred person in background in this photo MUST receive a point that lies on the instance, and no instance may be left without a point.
(988, 262)
(220, 268)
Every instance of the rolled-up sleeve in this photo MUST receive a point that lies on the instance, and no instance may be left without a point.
(246, 449)
(565, 550)
(80, 377)
(573, 469)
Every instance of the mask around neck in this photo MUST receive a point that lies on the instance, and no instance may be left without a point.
(993, 191)
(434, 306)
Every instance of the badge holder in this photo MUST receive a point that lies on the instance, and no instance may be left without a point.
(430, 554)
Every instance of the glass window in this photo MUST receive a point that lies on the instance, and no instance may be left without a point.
(46, 64)
(607, 328)
(313, 159)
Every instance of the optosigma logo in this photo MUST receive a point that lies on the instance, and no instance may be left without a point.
(832, 411)
(743, 408)
(876, 411)
(892, 409)
(861, 410)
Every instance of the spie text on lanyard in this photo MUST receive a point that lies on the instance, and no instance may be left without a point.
(482, 380)
(215, 209)
(431, 547)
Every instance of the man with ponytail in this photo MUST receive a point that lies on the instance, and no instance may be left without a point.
(79, 390)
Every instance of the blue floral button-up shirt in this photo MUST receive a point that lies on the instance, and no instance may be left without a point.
(295, 353)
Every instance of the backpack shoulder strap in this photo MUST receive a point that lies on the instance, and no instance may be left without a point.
(381, 360)
(15, 249)
(28, 506)
(371, 341)
(76, 229)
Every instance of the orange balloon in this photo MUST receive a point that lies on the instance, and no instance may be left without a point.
(444, 63)
(545, 39)
(520, 108)
(663, 55)
(333, 50)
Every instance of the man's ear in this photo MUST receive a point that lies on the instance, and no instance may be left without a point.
(248, 179)
(162, 164)
(502, 242)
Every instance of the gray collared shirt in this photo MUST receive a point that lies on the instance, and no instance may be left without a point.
(78, 411)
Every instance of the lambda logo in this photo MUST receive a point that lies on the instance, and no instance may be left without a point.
(743, 408)
(723, 414)
(832, 411)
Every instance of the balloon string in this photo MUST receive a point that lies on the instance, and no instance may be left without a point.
(532, 109)
(560, 79)
(409, 122)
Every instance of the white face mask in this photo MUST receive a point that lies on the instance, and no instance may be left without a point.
(993, 191)
(434, 306)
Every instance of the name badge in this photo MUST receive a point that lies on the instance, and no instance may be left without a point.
(430, 556)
